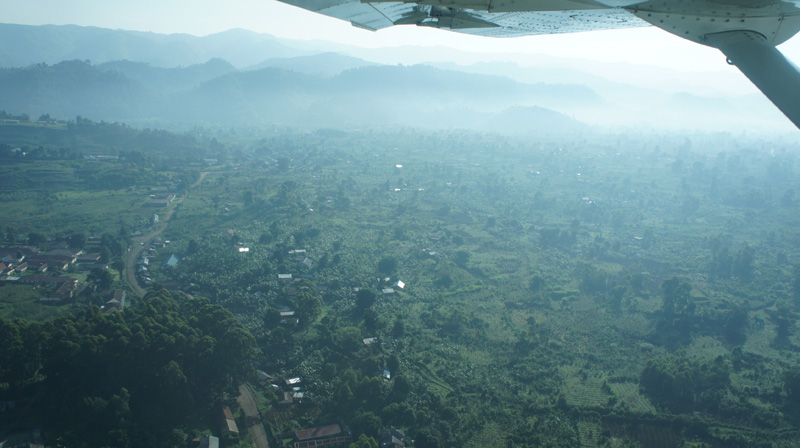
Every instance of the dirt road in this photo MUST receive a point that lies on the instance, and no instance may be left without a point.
(252, 418)
(137, 246)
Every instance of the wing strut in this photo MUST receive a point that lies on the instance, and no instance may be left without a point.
(764, 65)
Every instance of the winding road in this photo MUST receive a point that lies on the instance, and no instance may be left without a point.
(246, 401)
(252, 417)
(139, 242)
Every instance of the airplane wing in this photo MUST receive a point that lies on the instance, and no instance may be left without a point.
(746, 31)
(510, 23)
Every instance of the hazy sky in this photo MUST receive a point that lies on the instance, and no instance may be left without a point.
(203, 17)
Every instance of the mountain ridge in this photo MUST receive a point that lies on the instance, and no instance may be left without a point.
(214, 92)
(163, 70)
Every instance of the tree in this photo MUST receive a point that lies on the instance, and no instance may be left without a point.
(677, 300)
(343, 395)
(368, 424)
(401, 388)
(387, 265)
(399, 414)
(592, 280)
(461, 259)
(77, 240)
(192, 247)
(272, 318)
(427, 437)
(791, 384)
(247, 197)
(682, 384)
(371, 320)
(364, 441)
(35, 238)
(784, 321)
(735, 325)
(168, 354)
(445, 280)
(101, 277)
(105, 254)
(174, 390)
(348, 338)
(11, 350)
(721, 260)
(399, 329)
(796, 283)
(615, 298)
(393, 364)
(677, 312)
(364, 299)
(743, 265)
(536, 284)
(308, 308)
(637, 281)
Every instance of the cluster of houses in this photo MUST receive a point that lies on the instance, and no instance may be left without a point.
(291, 393)
(329, 436)
(143, 264)
(58, 257)
(394, 286)
(26, 265)
(160, 200)
(303, 264)
(326, 436)
(337, 435)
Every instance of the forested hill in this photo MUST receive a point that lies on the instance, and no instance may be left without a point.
(170, 79)
(125, 378)
(81, 137)
(71, 88)
(325, 64)
(215, 93)
(22, 45)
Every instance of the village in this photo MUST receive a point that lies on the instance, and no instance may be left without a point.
(55, 274)
(65, 276)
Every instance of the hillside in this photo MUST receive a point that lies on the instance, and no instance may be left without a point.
(215, 93)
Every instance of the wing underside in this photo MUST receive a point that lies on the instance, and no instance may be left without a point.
(378, 15)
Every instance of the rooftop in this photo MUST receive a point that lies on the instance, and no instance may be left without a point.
(318, 432)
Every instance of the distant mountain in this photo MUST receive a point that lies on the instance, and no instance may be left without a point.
(152, 78)
(22, 45)
(72, 88)
(170, 79)
(455, 87)
(374, 96)
(323, 64)
(215, 93)
(519, 120)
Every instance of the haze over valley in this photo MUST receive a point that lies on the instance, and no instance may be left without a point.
(243, 241)
(242, 77)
